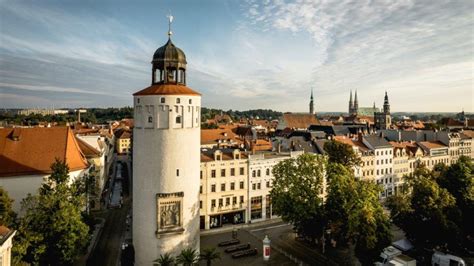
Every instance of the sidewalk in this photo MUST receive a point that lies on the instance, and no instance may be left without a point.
(229, 228)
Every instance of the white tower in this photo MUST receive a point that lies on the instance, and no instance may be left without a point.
(166, 160)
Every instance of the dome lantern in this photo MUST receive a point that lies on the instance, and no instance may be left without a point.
(169, 63)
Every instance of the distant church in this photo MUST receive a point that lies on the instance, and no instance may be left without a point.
(382, 119)
(166, 160)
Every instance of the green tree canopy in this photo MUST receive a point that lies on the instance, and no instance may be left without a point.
(188, 257)
(51, 230)
(7, 215)
(209, 255)
(341, 153)
(355, 215)
(428, 208)
(164, 260)
(297, 192)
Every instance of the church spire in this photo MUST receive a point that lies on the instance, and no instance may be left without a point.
(356, 104)
(311, 103)
(386, 104)
(351, 105)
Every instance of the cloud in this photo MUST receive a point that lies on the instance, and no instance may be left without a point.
(270, 58)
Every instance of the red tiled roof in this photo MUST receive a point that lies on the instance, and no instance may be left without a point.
(351, 142)
(166, 89)
(223, 133)
(30, 151)
(433, 144)
(299, 120)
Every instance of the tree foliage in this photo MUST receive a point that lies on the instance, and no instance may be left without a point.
(355, 215)
(430, 207)
(341, 153)
(296, 193)
(209, 255)
(351, 210)
(164, 260)
(7, 215)
(51, 231)
(188, 257)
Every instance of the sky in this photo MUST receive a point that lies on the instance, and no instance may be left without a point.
(242, 54)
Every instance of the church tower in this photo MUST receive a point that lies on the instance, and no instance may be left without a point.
(383, 120)
(356, 105)
(166, 160)
(351, 105)
(311, 103)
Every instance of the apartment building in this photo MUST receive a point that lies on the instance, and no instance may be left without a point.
(366, 170)
(260, 180)
(383, 162)
(223, 190)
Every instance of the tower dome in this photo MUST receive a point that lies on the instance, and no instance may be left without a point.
(169, 64)
(170, 56)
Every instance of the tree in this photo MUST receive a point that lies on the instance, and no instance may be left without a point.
(209, 254)
(341, 153)
(297, 193)
(458, 180)
(7, 215)
(428, 208)
(188, 257)
(355, 215)
(52, 230)
(164, 260)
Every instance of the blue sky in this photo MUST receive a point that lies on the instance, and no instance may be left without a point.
(242, 54)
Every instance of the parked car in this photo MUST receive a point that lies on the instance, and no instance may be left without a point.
(442, 259)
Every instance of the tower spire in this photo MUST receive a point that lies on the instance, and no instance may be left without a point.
(351, 105)
(170, 20)
(356, 104)
(311, 103)
(386, 104)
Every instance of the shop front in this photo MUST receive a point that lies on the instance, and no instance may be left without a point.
(229, 218)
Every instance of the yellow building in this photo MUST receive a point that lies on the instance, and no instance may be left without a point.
(223, 191)
(123, 141)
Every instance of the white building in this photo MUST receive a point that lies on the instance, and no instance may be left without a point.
(26, 155)
(383, 152)
(6, 244)
(223, 191)
(260, 180)
(166, 160)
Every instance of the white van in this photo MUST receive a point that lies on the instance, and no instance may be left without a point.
(441, 259)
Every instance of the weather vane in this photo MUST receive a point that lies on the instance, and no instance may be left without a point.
(170, 20)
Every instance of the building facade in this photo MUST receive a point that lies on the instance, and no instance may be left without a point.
(166, 160)
(260, 180)
(223, 189)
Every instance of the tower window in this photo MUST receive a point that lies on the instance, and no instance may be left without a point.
(162, 100)
(178, 100)
(178, 119)
(150, 119)
(177, 172)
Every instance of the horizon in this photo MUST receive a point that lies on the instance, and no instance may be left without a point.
(242, 54)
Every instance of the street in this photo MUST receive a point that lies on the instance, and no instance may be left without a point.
(108, 248)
